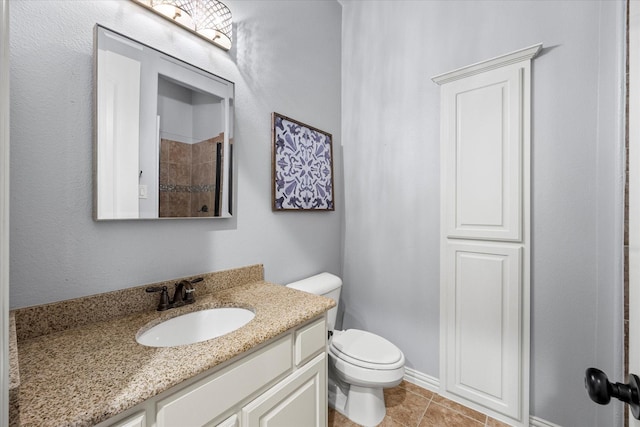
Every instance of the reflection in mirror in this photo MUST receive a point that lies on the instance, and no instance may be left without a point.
(163, 137)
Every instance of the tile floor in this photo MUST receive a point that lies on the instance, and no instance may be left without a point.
(411, 406)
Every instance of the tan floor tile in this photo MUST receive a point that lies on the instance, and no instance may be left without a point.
(417, 389)
(409, 405)
(390, 422)
(460, 408)
(405, 407)
(441, 416)
(495, 423)
(336, 419)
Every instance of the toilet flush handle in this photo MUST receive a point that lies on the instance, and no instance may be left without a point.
(601, 390)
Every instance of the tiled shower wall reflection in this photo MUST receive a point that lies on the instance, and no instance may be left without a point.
(189, 180)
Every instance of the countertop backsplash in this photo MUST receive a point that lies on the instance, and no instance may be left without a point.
(44, 319)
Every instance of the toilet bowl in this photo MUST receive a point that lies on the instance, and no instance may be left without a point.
(361, 364)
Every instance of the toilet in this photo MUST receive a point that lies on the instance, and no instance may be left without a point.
(361, 364)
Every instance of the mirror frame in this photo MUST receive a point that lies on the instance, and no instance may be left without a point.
(191, 78)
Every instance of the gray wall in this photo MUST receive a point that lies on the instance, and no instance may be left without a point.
(286, 58)
(392, 187)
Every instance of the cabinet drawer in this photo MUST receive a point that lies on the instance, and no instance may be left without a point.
(310, 340)
(137, 420)
(232, 421)
(205, 400)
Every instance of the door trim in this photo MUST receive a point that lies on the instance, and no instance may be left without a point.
(4, 211)
(634, 191)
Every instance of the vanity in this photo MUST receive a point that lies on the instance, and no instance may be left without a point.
(81, 372)
(280, 384)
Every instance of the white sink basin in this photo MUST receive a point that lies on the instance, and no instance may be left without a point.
(195, 327)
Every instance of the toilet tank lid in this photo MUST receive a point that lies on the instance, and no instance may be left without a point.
(319, 284)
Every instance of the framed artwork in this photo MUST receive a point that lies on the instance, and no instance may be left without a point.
(302, 166)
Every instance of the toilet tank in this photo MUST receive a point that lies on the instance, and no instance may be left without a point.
(325, 284)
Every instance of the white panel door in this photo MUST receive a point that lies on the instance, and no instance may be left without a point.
(482, 343)
(118, 153)
(482, 123)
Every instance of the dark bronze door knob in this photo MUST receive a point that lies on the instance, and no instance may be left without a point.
(601, 391)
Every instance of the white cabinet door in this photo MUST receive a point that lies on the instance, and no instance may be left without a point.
(299, 400)
(482, 124)
(482, 340)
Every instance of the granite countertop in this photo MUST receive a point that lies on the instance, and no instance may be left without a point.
(85, 375)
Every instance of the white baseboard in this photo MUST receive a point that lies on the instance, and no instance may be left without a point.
(433, 384)
(537, 422)
(423, 380)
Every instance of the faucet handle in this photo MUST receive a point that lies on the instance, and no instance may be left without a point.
(189, 290)
(188, 295)
(164, 296)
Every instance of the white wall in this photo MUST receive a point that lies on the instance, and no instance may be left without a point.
(4, 212)
(187, 115)
(176, 111)
(208, 116)
(286, 58)
(391, 150)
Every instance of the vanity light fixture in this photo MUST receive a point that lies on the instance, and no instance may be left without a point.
(209, 19)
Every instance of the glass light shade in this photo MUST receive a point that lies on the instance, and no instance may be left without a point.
(214, 21)
(177, 14)
(219, 38)
(210, 19)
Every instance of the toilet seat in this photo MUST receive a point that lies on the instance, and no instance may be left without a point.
(367, 363)
(361, 364)
(365, 350)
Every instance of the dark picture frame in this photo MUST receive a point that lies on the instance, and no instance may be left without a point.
(302, 165)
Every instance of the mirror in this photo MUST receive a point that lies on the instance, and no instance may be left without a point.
(163, 134)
